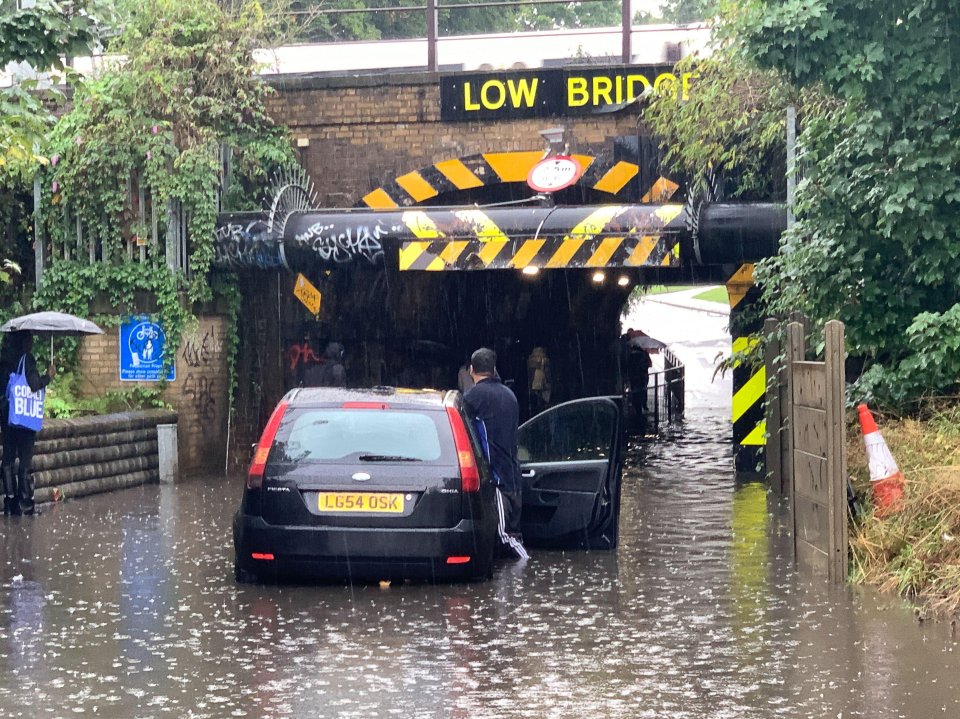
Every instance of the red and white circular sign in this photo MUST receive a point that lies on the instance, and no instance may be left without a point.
(554, 173)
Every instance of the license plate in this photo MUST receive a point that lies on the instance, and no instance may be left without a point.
(377, 502)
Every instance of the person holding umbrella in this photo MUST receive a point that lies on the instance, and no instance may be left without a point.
(21, 409)
(16, 360)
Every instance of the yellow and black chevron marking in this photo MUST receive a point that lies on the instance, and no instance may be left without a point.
(740, 287)
(493, 168)
(749, 386)
(598, 239)
(749, 383)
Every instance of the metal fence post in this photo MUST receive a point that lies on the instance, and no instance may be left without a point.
(791, 163)
(626, 23)
(37, 229)
(432, 25)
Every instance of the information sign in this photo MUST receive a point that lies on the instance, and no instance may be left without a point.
(142, 344)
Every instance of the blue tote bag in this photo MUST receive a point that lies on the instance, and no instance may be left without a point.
(26, 406)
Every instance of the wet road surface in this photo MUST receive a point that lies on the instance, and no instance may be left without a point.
(124, 605)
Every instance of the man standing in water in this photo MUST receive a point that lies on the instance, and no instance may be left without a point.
(497, 414)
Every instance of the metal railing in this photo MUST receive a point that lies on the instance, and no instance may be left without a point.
(667, 390)
(426, 15)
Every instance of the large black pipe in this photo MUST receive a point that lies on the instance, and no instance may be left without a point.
(738, 233)
(721, 233)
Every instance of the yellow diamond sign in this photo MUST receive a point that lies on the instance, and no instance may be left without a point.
(304, 291)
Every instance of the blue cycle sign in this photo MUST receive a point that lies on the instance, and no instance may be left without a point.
(141, 351)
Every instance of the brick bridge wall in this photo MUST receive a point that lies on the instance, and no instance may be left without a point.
(364, 131)
(198, 394)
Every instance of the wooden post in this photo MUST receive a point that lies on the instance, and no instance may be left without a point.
(794, 354)
(836, 450)
(774, 451)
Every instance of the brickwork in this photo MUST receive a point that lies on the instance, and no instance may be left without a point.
(198, 394)
(365, 131)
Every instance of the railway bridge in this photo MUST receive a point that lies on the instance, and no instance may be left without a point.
(418, 218)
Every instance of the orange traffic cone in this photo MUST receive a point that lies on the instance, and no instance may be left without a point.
(886, 479)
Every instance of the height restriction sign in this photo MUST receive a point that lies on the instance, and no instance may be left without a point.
(554, 173)
(304, 291)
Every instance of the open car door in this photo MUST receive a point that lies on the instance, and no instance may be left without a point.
(571, 457)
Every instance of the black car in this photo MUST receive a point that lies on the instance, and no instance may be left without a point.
(388, 483)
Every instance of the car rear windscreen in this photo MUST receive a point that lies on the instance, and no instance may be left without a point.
(363, 435)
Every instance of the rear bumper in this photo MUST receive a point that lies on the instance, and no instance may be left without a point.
(339, 553)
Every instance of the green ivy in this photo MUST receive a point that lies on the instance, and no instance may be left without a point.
(227, 288)
(877, 243)
(157, 124)
(73, 287)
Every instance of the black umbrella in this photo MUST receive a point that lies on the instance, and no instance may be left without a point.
(645, 342)
(52, 323)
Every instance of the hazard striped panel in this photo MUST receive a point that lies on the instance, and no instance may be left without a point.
(608, 236)
(749, 387)
(494, 168)
(740, 284)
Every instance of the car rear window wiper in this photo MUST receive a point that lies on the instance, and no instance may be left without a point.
(387, 458)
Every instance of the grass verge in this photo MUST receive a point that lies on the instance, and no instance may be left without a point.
(915, 552)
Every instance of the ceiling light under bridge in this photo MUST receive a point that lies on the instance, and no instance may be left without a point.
(599, 277)
(623, 280)
(530, 270)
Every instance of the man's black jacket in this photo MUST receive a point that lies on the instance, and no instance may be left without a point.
(495, 405)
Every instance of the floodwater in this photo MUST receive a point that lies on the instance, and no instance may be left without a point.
(123, 605)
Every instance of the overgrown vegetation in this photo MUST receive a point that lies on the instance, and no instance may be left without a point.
(915, 552)
(64, 399)
(158, 121)
(150, 129)
(876, 242)
(732, 127)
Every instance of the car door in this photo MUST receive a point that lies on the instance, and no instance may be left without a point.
(571, 457)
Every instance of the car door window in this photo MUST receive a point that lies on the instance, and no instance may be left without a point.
(576, 431)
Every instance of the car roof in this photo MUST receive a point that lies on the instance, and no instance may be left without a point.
(394, 396)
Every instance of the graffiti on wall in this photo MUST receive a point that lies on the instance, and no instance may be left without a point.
(299, 356)
(247, 244)
(341, 245)
(200, 391)
(200, 351)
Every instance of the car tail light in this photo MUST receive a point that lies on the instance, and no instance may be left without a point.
(469, 472)
(263, 556)
(259, 463)
(365, 405)
(457, 560)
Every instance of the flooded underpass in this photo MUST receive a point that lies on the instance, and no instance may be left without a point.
(124, 605)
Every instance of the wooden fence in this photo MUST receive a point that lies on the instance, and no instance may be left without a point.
(806, 449)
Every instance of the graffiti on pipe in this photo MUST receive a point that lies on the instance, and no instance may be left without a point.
(341, 245)
(250, 244)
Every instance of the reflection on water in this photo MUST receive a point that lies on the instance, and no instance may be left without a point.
(124, 606)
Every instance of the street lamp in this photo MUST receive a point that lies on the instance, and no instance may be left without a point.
(554, 137)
